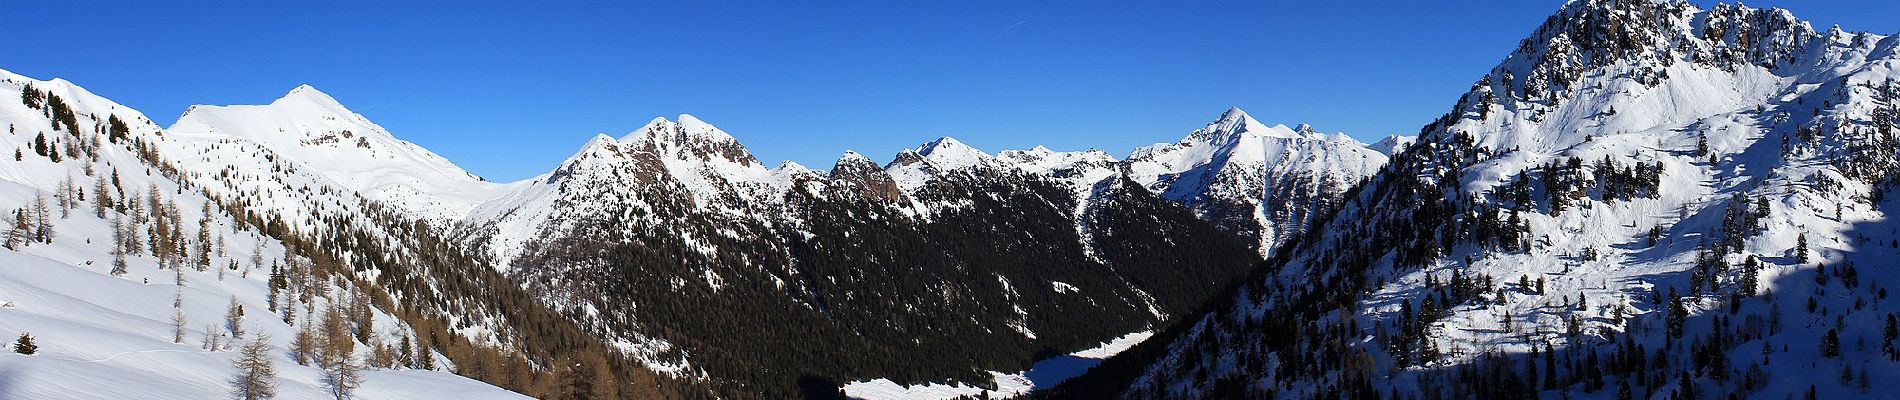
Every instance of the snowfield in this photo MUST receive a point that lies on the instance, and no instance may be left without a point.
(1045, 374)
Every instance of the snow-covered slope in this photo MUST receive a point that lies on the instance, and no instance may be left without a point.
(106, 335)
(1645, 196)
(309, 127)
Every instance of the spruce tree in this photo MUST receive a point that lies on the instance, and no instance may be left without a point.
(1831, 344)
(39, 144)
(1801, 249)
(1678, 314)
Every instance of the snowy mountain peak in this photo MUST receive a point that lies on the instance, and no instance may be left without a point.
(1240, 174)
(949, 154)
(691, 139)
(1234, 113)
(687, 127)
(1042, 160)
(307, 98)
(600, 140)
(1236, 123)
(307, 126)
(789, 166)
(1392, 144)
(854, 157)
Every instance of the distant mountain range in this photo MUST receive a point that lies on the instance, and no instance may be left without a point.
(1645, 199)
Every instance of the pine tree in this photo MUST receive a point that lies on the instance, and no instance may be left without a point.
(43, 215)
(342, 373)
(1751, 276)
(234, 318)
(18, 234)
(1678, 314)
(178, 316)
(1801, 249)
(101, 198)
(273, 285)
(214, 338)
(65, 197)
(25, 345)
(39, 144)
(257, 374)
(406, 352)
(118, 246)
(425, 354)
(203, 250)
(303, 347)
(1888, 334)
(361, 317)
(1831, 344)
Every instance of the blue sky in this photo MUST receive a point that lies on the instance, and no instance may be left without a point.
(508, 90)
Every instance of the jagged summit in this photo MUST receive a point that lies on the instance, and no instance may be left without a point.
(853, 156)
(693, 140)
(791, 166)
(681, 128)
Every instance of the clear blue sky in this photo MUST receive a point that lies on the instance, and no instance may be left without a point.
(508, 90)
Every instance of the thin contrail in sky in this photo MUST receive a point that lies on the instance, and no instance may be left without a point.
(1013, 26)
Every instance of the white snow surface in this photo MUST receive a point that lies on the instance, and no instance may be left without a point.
(1044, 374)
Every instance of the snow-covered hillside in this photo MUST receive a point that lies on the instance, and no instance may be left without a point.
(309, 127)
(123, 271)
(641, 246)
(1645, 198)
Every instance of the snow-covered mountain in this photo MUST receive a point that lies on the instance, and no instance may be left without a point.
(308, 127)
(666, 244)
(1264, 183)
(126, 273)
(1645, 199)
(684, 223)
